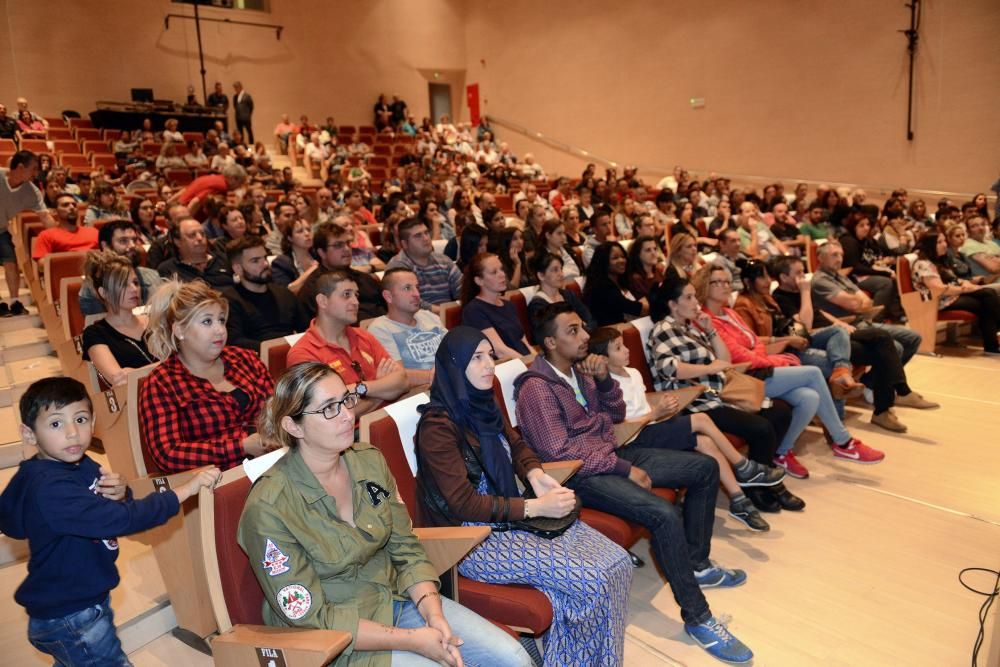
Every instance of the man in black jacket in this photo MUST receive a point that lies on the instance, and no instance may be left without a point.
(243, 110)
(259, 310)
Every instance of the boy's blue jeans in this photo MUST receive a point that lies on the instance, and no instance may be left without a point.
(83, 638)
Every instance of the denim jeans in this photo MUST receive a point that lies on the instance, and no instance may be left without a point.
(83, 638)
(681, 539)
(804, 388)
(485, 643)
(835, 342)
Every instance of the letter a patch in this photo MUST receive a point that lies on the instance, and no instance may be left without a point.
(375, 493)
(274, 560)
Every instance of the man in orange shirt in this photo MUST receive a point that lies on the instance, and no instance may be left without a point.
(355, 354)
(67, 235)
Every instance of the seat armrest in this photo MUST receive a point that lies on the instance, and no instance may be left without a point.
(446, 546)
(300, 647)
(562, 470)
(143, 486)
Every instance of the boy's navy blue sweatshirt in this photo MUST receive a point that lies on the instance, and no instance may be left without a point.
(71, 532)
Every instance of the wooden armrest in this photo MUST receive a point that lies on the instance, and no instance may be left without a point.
(741, 368)
(447, 545)
(143, 486)
(299, 647)
(562, 470)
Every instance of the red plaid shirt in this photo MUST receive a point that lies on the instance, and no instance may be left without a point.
(187, 423)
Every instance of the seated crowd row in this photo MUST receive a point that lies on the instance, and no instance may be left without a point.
(213, 298)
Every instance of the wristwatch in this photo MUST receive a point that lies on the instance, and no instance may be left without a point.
(361, 389)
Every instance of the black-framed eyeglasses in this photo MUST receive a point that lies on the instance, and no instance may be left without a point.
(333, 409)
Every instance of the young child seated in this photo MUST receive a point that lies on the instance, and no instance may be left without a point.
(71, 510)
(735, 470)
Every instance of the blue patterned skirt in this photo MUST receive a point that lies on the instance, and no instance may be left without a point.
(585, 575)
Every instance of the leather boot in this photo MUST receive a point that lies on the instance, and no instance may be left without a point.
(763, 498)
(786, 499)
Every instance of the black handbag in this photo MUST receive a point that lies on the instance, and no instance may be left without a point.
(539, 525)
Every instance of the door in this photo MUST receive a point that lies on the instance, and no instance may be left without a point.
(440, 101)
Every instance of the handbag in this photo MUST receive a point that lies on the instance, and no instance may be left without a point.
(742, 391)
(542, 526)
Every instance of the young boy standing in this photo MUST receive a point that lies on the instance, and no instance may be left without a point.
(71, 511)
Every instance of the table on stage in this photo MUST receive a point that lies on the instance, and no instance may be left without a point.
(129, 116)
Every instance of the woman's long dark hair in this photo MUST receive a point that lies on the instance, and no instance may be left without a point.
(926, 248)
(634, 265)
(468, 243)
(599, 270)
(662, 294)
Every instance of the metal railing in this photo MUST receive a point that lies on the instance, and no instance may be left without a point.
(590, 156)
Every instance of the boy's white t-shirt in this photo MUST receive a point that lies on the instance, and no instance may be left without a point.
(634, 391)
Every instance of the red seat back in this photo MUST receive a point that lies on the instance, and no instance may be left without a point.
(384, 435)
(637, 354)
(62, 265)
(904, 275)
(517, 298)
(452, 317)
(243, 595)
(277, 359)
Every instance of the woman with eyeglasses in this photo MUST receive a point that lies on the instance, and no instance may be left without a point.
(333, 547)
(802, 387)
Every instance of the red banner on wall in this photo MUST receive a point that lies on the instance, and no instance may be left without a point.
(472, 99)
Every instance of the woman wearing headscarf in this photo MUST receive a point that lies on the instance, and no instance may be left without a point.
(468, 462)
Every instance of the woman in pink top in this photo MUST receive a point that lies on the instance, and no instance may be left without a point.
(802, 387)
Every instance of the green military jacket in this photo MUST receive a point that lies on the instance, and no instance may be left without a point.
(318, 571)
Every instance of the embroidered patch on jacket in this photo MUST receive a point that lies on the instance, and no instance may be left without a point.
(294, 601)
(376, 494)
(274, 560)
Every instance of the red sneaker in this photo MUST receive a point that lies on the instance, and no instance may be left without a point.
(791, 465)
(857, 452)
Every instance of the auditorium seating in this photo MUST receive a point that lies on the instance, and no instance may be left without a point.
(922, 314)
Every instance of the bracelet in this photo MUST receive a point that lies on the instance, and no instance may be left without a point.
(424, 596)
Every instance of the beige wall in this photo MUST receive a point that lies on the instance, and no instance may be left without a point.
(333, 58)
(793, 89)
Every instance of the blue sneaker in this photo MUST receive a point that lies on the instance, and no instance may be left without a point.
(715, 638)
(719, 577)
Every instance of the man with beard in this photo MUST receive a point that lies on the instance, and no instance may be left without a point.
(259, 310)
(120, 237)
(332, 249)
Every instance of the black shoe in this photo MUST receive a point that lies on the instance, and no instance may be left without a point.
(747, 514)
(788, 500)
(636, 561)
(763, 498)
(18, 309)
(4, 309)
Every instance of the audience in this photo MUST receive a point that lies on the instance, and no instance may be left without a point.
(932, 274)
(295, 263)
(551, 280)
(200, 404)
(484, 307)
(68, 235)
(116, 343)
(332, 250)
(606, 292)
(802, 387)
(685, 351)
(119, 237)
(409, 333)
(354, 353)
(869, 270)
(300, 516)
(439, 279)
(259, 309)
(192, 259)
(567, 404)
(468, 460)
(982, 253)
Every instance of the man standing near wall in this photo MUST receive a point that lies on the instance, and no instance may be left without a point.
(243, 109)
